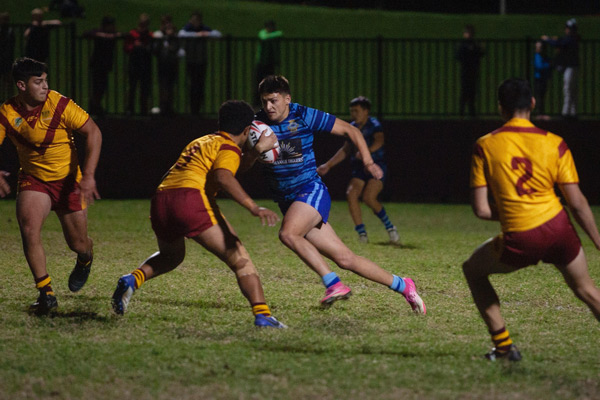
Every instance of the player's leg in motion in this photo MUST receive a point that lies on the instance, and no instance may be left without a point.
(32, 210)
(477, 269)
(353, 193)
(222, 241)
(577, 276)
(327, 243)
(74, 225)
(298, 220)
(167, 258)
(369, 196)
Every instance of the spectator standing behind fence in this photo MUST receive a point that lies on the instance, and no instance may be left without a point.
(567, 62)
(7, 55)
(267, 54)
(37, 36)
(101, 62)
(542, 70)
(195, 34)
(167, 51)
(138, 44)
(468, 55)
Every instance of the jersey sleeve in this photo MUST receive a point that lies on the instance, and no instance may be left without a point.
(567, 173)
(74, 116)
(317, 120)
(376, 125)
(228, 158)
(477, 178)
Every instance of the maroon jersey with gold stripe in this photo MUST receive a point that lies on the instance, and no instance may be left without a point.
(44, 136)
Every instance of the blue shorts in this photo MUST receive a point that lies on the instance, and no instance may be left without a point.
(359, 172)
(314, 194)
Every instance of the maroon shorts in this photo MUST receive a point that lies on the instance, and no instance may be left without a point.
(177, 213)
(64, 194)
(554, 242)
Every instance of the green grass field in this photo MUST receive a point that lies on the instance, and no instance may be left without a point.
(189, 334)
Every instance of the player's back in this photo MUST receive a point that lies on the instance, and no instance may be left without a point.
(522, 164)
(199, 158)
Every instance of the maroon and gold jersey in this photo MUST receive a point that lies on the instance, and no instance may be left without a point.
(520, 164)
(44, 136)
(199, 158)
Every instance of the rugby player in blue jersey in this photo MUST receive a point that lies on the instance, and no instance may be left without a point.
(303, 198)
(363, 184)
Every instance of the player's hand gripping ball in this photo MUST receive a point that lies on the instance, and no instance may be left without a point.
(258, 127)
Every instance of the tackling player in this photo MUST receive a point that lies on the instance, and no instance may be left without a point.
(184, 206)
(40, 122)
(364, 185)
(303, 198)
(520, 164)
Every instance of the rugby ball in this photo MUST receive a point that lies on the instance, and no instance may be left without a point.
(256, 129)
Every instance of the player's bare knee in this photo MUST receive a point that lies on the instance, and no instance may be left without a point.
(287, 238)
(80, 245)
(346, 260)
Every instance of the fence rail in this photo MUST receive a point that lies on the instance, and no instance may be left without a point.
(403, 77)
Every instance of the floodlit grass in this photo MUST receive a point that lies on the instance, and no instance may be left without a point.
(189, 334)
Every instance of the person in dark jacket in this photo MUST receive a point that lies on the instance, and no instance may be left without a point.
(468, 55)
(101, 62)
(567, 62)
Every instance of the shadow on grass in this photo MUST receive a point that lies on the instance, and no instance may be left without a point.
(200, 303)
(397, 245)
(303, 348)
(76, 315)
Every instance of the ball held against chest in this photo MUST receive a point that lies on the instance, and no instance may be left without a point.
(256, 129)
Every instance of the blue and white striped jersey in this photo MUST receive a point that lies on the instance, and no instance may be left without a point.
(296, 165)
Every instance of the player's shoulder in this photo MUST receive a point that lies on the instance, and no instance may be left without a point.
(56, 97)
(375, 122)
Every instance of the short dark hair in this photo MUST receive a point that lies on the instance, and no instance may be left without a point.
(24, 68)
(274, 84)
(514, 94)
(361, 101)
(235, 116)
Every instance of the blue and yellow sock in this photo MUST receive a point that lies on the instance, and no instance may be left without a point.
(398, 285)
(382, 215)
(330, 279)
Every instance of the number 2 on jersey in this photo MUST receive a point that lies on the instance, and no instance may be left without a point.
(526, 163)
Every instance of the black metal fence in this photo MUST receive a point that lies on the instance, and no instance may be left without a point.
(403, 77)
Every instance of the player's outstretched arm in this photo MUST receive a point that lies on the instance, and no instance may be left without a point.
(337, 158)
(231, 185)
(343, 128)
(581, 210)
(4, 186)
(93, 136)
(481, 204)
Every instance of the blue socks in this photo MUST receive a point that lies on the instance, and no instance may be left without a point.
(330, 279)
(398, 285)
(382, 215)
(360, 229)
